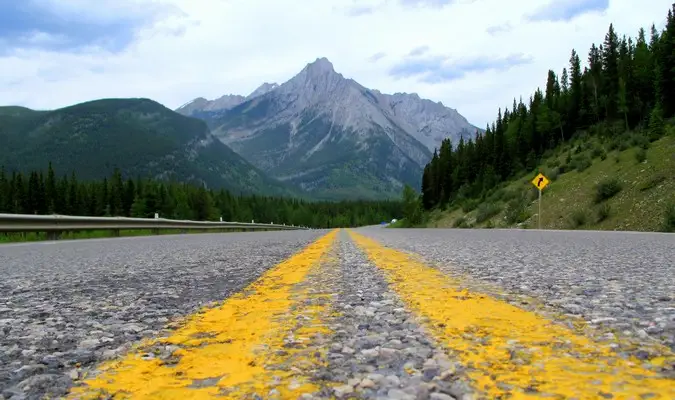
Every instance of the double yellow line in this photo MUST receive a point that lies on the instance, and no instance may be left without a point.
(224, 351)
(510, 353)
(513, 353)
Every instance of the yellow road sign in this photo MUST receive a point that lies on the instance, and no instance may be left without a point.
(540, 181)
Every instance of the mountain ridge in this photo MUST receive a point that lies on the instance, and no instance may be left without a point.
(328, 134)
(323, 65)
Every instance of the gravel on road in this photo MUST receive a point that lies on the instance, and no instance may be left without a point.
(334, 319)
(64, 306)
(621, 282)
(511, 351)
(378, 349)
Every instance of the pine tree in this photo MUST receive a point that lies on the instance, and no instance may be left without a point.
(622, 101)
(50, 190)
(138, 208)
(5, 192)
(656, 124)
(610, 69)
(576, 95)
(666, 61)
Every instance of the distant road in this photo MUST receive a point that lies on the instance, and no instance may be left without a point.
(368, 313)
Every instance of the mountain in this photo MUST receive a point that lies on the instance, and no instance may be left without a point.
(138, 136)
(333, 137)
(201, 106)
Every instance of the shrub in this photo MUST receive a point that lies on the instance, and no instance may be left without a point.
(613, 145)
(510, 195)
(578, 218)
(486, 211)
(495, 196)
(597, 152)
(607, 189)
(603, 212)
(516, 211)
(669, 218)
(641, 155)
(581, 163)
(460, 222)
(640, 141)
(553, 174)
(490, 225)
(553, 163)
(469, 205)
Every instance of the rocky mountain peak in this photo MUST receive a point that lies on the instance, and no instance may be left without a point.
(262, 89)
(320, 66)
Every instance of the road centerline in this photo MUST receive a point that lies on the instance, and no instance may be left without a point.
(510, 351)
(232, 349)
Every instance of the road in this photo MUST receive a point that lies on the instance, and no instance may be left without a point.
(357, 313)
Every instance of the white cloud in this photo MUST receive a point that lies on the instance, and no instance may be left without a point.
(215, 47)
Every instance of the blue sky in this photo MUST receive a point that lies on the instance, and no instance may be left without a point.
(473, 55)
(567, 10)
(48, 25)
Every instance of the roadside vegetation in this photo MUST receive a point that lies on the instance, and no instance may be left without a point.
(603, 134)
(46, 192)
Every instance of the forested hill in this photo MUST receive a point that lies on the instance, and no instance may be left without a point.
(139, 136)
(46, 192)
(627, 84)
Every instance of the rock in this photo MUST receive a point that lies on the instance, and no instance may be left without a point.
(397, 394)
(73, 374)
(440, 396)
(342, 391)
(367, 383)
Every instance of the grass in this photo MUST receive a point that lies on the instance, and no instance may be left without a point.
(98, 234)
(636, 196)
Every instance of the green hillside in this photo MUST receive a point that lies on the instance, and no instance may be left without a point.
(138, 136)
(600, 132)
(582, 197)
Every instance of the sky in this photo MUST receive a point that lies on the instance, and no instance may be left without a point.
(472, 55)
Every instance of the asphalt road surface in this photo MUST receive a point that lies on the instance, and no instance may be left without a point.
(364, 313)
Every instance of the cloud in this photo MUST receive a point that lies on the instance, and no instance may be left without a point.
(173, 51)
(377, 56)
(427, 3)
(568, 10)
(418, 51)
(498, 29)
(72, 24)
(359, 10)
(436, 69)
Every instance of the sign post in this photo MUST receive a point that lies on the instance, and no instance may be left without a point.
(540, 182)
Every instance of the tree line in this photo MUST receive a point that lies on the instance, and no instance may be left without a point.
(39, 192)
(626, 85)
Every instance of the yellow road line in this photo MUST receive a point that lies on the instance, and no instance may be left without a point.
(236, 349)
(512, 353)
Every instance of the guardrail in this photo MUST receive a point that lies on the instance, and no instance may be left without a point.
(55, 224)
